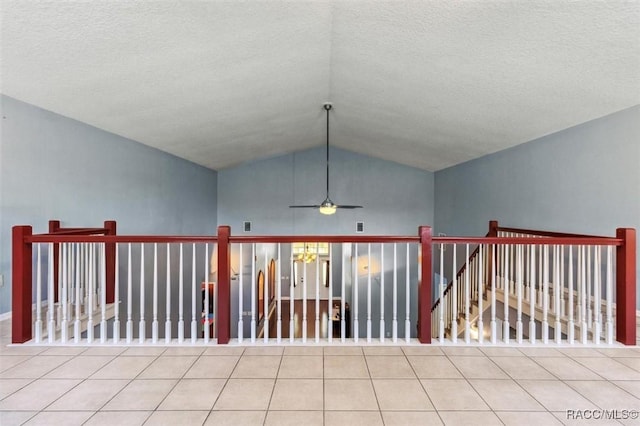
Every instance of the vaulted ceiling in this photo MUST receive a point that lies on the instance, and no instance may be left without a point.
(427, 84)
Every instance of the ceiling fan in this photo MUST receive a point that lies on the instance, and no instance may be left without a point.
(327, 206)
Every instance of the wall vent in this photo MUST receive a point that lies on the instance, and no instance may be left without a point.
(247, 226)
(359, 227)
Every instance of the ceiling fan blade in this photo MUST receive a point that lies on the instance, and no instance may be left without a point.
(345, 206)
(309, 206)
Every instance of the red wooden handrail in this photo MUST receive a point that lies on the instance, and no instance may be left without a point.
(545, 233)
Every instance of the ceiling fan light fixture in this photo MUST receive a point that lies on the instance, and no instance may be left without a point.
(327, 207)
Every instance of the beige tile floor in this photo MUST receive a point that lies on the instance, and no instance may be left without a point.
(307, 385)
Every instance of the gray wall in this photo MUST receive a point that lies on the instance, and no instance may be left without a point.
(396, 198)
(585, 179)
(52, 167)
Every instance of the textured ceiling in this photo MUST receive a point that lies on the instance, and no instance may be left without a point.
(427, 84)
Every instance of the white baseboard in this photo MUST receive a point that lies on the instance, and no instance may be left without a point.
(5, 316)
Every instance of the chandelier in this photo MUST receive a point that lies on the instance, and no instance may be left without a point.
(309, 252)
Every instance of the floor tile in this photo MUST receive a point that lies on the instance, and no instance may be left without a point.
(9, 386)
(223, 350)
(212, 367)
(89, 395)
(567, 419)
(245, 394)
(426, 350)
(184, 351)
(505, 395)
(34, 367)
(566, 368)
(236, 418)
(257, 367)
(343, 350)
(65, 350)
(624, 352)
(609, 368)
(511, 418)
(141, 395)
(168, 367)
(79, 367)
(144, 351)
(172, 418)
(124, 367)
(433, 367)
(345, 367)
(470, 418)
(473, 367)
(353, 418)
(61, 418)
(606, 395)
(501, 352)
(37, 394)
(389, 366)
(264, 350)
(294, 418)
(408, 418)
(633, 387)
(523, 368)
(581, 352)
(354, 394)
(297, 394)
(453, 394)
(8, 349)
(401, 394)
(630, 362)
(461, 351)
(555, 395)
(104, 351)
(303, 350)
(9, 361)
(301, 366)
(120, 418)
(382, 350)
(540, 351)
(193, 394)
(15, 418)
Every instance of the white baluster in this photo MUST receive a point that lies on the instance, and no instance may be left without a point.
(279, 295)
(304, 301)
(103, 294)
(505, 320)
(609, 296)
(116, 299)
(142, 326)
(589, 288)
(343, 323)
(562, 283)
(240, 291)
(369, 293)
(467, 295)
(519, 264)
(407, 321)
(330, 301)
(583, 295)
(442, 300)
(356, 325)
(292, 279)
(317, 323)
(480, 324)
(596, 295)
(532, 295)
(545, 294)
(167, 322)
(63, 295)
(38, 324)
(265, 323)
(570, 323)
(181, 296)
(557, 332)
(253, 293)
(394, 321)
(194, 323)
(91, 285)
(494, 271)
(51, 323)
(129, 331)
(382, 326)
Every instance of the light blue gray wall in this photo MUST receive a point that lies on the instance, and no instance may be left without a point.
(396, 198)
(585, 179)
(52, 167)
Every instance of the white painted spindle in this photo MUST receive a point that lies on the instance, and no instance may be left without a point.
(519, 265)
(407, 321)
(141, 324)
(442, 301)
(240, 295)
(167, 322)
(205, 323)
(38, 324)
(481, 284)
(494, 271)
(304, 301)
(116, 298)
(394, 323)
(382, 326)
(181, 295)
(597, 278)
(253, 293)
(506, 289)
(369, 293)
(532, 294)
(103, 294)
(279, 295)
(609, 296)
(194, 323)
(129, 330)
(356, 325)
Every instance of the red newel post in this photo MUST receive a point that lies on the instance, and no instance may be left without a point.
(626, 287)
(224, 285)
(21, 296)
(54, 226)
(110, 261)
(424, 288)
(493, 228)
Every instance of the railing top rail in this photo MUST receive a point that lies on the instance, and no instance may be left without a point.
(325, 239)
(54, 238)
(79, 231)
(546, 233)
(574, 241)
